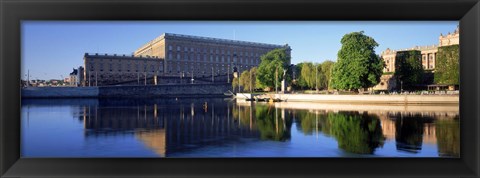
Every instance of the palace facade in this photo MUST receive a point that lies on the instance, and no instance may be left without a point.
(203, 55)
(429, 53)
(428, 58)
(173, 55)
(104, 69)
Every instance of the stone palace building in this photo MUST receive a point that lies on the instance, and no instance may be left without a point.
(428, 58)
(175, 55)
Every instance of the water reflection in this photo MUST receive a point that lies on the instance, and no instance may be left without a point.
(213, 126)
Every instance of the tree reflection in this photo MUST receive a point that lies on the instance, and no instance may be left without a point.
(448, 137)
(271, 125)
(355, 132)
(409, 132)
(311, 122)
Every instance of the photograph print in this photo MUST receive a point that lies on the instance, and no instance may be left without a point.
(249, 89)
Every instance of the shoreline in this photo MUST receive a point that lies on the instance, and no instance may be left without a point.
(371, 99)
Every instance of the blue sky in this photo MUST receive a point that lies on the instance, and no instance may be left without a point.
(50, 49)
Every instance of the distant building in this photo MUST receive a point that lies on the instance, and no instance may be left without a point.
(450, 38)
(174, 55)
(428, 59)
(429, 53)
(114, 69)
(75, 78)
(203, 55)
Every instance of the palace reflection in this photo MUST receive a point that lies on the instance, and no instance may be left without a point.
(169, 126)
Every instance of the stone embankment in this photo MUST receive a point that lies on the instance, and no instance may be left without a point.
(179, 90)
(381, 99)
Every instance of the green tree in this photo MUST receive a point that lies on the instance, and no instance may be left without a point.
(447, 66)
(235, 84)
(299, 79)
(272, 66)
(327, 72)
(357, 66)
(409, 68)
(307, 74)
(248, 79)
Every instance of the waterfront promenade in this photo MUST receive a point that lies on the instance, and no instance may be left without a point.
(380, 99)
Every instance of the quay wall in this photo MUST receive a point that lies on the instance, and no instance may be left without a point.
(60, 92)
(177, 90)
(391, 99)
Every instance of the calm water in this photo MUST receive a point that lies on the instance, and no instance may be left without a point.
(217, 127)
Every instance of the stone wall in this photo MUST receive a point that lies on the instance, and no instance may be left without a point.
(59, 92)
(179, 90)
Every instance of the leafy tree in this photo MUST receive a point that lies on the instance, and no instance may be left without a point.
(357, 66)
(327, 72)
(235, 84)
(248, 79)
(409, 68)
(300, 80)
(447, 66)
(272, 65)
(308, 74)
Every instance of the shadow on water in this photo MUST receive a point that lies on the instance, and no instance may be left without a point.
(172, 127)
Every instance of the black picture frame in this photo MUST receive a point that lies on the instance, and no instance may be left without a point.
(14, 11)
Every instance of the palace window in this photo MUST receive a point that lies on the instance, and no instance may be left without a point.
(178, 48)
(178, 56)
(169, 47)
